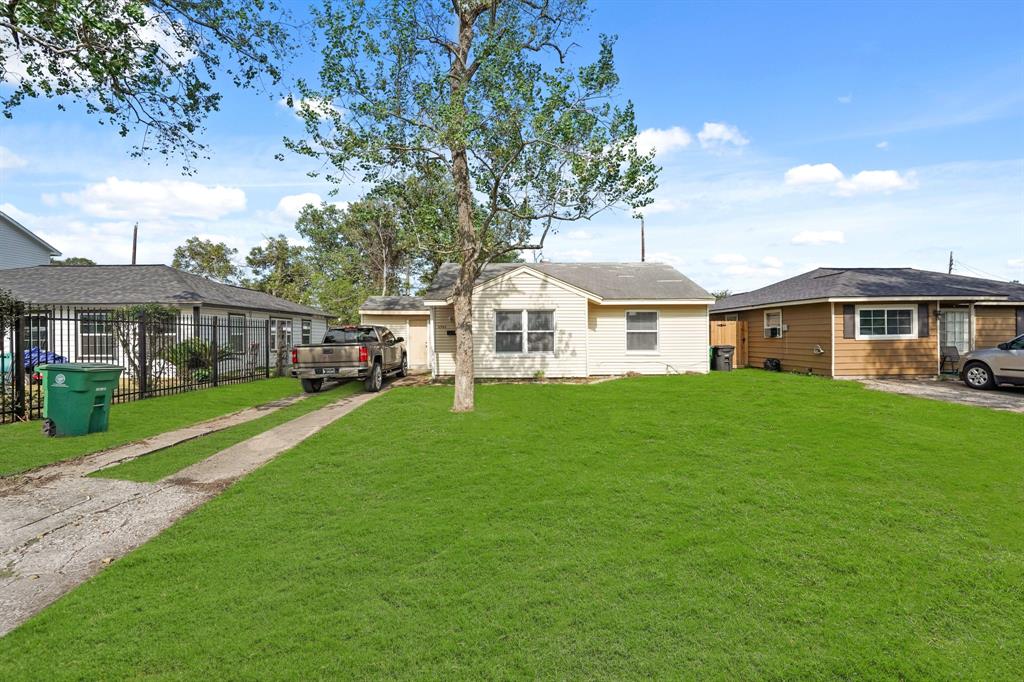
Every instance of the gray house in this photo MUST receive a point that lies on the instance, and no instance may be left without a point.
(20, 247)
(72, 303)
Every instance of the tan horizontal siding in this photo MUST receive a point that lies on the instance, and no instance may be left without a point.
(898, 357)
(397, 323)
(807, 327)
(682, 341)
(994, 325)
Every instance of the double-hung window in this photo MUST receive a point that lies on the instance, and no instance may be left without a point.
(887, 322)
(38, 329)
(95, 336)
(641, 331)
(307, 331)
(773, 324)
(282, 327)
(236, 333)
(524, 331)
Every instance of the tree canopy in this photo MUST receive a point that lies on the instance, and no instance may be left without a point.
(136, 65)
(206, 258)
(483, 91)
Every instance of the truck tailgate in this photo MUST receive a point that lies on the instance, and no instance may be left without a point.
(327, 356)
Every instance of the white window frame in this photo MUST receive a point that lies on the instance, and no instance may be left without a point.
(656, 331)
(886, 337)
(288, 331)
(781, 327)
(105, 318)
(306, 331)
(233, 327)
(524, 332)
(732, 317)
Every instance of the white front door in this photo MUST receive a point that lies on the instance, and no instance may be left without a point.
(955, 327)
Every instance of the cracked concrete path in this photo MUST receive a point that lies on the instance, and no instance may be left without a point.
(59, 529)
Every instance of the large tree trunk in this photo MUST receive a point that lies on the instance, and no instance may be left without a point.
(463, 294)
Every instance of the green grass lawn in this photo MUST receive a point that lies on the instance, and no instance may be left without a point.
(737, 526)
(23, 446)
(163, 463)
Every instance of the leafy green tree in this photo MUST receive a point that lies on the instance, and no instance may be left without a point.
(721, 293)
(136, 64)
(74, 260)
(482, 90)
(206, 258)
(280, 269)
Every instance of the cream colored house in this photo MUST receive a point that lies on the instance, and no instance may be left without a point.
(573, 320)
(405, 316)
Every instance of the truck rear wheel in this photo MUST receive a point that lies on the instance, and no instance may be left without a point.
(375, 379)
(312, 385)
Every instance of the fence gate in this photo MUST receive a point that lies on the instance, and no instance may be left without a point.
(731, 333)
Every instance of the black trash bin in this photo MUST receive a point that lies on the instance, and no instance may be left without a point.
(721, 358)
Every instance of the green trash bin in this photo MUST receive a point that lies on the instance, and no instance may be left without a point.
(76, 397)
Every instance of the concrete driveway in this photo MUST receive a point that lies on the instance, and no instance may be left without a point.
(1007, 398)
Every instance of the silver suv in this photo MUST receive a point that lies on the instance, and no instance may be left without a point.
(990, 367)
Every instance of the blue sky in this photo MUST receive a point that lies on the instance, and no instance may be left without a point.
(792, 135)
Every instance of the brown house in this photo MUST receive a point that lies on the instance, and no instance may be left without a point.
(857, 322)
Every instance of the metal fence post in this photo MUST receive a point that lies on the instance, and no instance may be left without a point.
(266, 348)
(142, 360)
(18, 358)
(214, 351)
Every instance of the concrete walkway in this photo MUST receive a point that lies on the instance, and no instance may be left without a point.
(58, 528)
(1008, 398)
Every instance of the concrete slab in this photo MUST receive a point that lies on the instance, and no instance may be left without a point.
(1010, 399)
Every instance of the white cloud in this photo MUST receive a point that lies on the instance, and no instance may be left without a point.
(819, 237)
(663, 206)
(573, 255)
(322, 108)
(132, 199)
(9, 159)
(884, 144)
(813, 174)
(874, 181)
(22, 217)
(662, 141)
(727, 258)
(771, 262)
(844, 99)
(289, 207)
(579, 235)
(665, 257)
(1016, 262)
(718, 135)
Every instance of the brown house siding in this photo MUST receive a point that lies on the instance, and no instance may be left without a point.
(994, 325)
(807, 327)
(900, 357)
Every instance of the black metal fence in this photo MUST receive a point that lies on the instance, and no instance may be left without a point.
(159, 353)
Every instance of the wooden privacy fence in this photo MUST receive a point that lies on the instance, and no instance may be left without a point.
(172, 354)
(731, 333)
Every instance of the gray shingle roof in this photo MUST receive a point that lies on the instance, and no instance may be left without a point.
(404, 304)
(117, 285)
(611, 281)
(870, 283)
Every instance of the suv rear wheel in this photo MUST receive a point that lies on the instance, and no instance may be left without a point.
(978, 375)
(375, 379)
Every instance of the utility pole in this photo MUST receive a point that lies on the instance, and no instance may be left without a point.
(950, 272)
(135, 241)
(643, 244)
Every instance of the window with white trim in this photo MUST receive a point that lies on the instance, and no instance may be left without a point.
(895, 322)
(282, 326)
(307, 331)
(236, 332)
(95, 336)
(524, 331)
(641, 331)
(773, 324)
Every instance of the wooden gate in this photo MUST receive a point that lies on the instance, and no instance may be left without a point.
(731, 333)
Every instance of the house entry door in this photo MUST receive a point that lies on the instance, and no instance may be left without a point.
(955, 326)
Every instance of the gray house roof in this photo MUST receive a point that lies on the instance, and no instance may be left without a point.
(28, 233)
(871, 283)
(398, 304)
(116, 285)
(612, 281)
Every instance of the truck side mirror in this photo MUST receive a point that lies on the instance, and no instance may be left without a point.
(399, 339)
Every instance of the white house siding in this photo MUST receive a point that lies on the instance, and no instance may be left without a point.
(682, 340)
(524, 291)
(18, 250)
(397, 322)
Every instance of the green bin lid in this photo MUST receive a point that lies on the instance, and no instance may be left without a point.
(79, 367)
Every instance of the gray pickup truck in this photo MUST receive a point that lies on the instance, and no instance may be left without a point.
(364, 352)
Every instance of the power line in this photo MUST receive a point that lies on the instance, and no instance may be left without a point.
(980, 273)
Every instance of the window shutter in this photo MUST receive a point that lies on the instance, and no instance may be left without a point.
(849, 322)
(1020, 321)
(922, 320)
